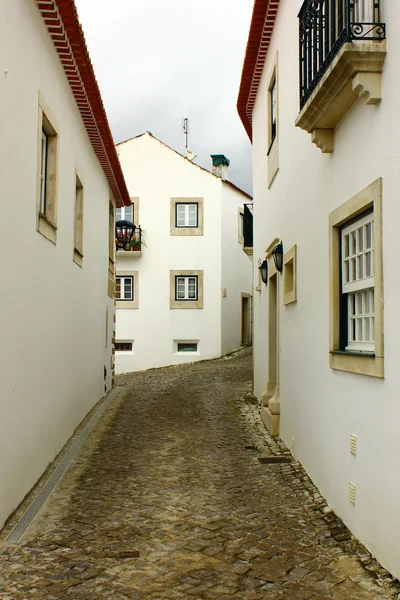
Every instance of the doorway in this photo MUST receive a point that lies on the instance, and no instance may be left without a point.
(245, 336)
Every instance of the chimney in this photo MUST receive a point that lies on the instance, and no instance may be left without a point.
(220, 165)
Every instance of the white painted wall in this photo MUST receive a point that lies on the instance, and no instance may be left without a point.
(52, 342)
(156, 173)
(236, 269)
(320, 407)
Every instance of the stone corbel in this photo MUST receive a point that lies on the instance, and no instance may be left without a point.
(323, 139)
(368, 87)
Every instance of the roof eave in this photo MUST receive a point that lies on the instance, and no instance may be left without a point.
(61, 19)
(261, 29)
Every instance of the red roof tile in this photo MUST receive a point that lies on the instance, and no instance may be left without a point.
(261, 28)
(61, 19)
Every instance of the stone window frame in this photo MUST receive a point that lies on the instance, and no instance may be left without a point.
(356, 362)
(78, 219)
(111, 246)
(186, 304)
(199, 230)
(46, 223)
(290, 276)
(134, 304)
(240, 217)
(273, 143)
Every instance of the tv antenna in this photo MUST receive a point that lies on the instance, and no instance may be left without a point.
(186, 129)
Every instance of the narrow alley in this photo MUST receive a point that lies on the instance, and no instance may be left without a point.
(168, 500)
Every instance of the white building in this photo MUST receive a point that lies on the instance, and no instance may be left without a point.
(326, 354)
(60, 178)
(186, 294)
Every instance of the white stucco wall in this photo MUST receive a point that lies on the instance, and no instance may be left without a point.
(53, 313)
(154, 174)
(236, 269)
(320, 407)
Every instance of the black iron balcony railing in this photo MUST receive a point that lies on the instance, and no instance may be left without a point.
(325, 25)
(248, 226)
(128, 236)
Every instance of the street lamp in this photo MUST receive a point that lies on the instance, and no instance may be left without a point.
(264, 271)
(278, 257)
(124, 231)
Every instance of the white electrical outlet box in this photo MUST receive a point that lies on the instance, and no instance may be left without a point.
(353, 444)
(352, 492)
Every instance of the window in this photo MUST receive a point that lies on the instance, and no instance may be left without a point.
(357, 250)
(186, 214)
(123, 346)
(78, 233)
(273, 110)
(356, 341)
(186, 288)
(290, 276)
(240, 226)
(124, 288)
(47, 172)
(187, 347)
(111, 237)
(126, 213)
(43, 172)
(273, 124)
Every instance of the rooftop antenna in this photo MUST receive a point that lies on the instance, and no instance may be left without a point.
(186, 129)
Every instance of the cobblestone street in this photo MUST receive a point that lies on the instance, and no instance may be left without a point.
(167, 500)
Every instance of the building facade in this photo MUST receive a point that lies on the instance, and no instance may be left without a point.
(318, 99)
(58, 169)
(184, 289)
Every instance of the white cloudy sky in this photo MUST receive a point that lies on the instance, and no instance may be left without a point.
(158, 61)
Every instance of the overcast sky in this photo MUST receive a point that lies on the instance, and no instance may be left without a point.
(158, 61)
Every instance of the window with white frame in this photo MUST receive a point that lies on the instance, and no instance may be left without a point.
(124, 288)
(126, 213)
(186, 288)
(186, 215)
(357, 252)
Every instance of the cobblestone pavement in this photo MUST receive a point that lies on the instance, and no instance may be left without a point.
(168, 500)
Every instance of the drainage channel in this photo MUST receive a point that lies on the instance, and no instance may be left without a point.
(26, 519)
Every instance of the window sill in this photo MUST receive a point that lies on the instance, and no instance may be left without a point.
(361, 363)
(78, 257)
(271, 144)
(355, 72)
(129, 253)
(134, 304)
(182, 231)
(47, 228)
(354, 353)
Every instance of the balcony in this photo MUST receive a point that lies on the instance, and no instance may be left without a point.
(128, 239)
(342, 50)
(248, 229)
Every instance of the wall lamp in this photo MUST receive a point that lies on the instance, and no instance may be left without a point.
(278, 257)
(264, 271)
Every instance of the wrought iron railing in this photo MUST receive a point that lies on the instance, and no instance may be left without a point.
(248, 226)
(127, 240)
(325, 25)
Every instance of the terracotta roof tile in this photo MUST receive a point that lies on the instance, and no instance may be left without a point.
(61, 19)
(261, 28)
